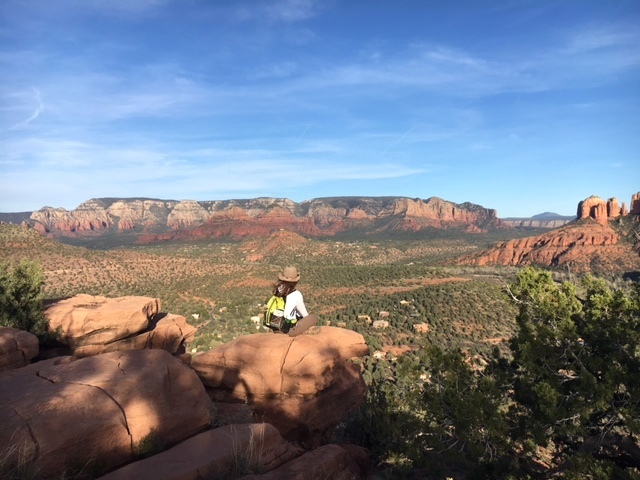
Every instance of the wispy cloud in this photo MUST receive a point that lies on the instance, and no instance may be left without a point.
(292, 10)
(217, 98)
(38, 110)
(210, 173)
(278, 11)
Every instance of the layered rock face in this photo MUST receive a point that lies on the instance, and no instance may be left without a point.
(635, 204)
(143, 213)
(261, 216)
(302, 385)
(530, 223)
(89, 216)
(559, 247)
(601, 210)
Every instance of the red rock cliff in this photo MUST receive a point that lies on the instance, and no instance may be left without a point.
(262, 216)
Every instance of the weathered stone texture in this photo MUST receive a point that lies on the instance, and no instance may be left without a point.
(65, 412)
(220, 453)
(303, 385)
(17, 348)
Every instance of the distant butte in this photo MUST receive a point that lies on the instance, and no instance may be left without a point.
(590, 238)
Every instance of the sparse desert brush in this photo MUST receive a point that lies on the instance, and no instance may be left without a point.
(151, 444)
(17, 463)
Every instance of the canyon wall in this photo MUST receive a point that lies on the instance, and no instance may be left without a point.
(168, 219)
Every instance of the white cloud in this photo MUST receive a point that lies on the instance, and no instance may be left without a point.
(51, 166)
(36, 113)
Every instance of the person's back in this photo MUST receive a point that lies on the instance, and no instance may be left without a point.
(296, 319)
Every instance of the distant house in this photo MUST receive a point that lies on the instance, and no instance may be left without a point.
(380, 324)
(255, 319)
(383, 314)
(421, 327)
(366, 318)
(404, 302)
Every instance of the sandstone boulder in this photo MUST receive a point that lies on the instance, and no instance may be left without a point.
(86, 320)
(165, 331)
(303, 385)
(93, 325)
(17, 348)
(64, 412)
(328, 461)
(225, 452)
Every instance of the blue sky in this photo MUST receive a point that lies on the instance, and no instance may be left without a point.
(522, 106)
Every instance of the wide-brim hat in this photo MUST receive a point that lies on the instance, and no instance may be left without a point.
(289, 274)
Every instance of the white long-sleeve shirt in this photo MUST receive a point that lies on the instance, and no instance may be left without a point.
(295, 304)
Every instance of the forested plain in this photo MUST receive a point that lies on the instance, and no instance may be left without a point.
(480, 372)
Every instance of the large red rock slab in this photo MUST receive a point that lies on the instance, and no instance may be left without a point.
(99, 409)
(17, 348)
(326, 462)
(90, 320)
(303, 385)
(166, 331)
(225, 452)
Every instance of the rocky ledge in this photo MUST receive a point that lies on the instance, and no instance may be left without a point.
(263, 406)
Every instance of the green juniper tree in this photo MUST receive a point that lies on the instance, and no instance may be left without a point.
(576, 373)
(21, 293)
(563, 402)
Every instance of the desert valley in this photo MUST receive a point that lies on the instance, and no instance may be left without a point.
(402, 287)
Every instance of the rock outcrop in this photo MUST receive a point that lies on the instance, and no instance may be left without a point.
(89, 216)
(99, 410)
(17, 348)
(602, 211)
(108, 411)
(588, 242)
(90, 325)
(635, 204)
(304, 385)
(158, 220)
(211, 454)
(328, 461)
(138, 212)
(558, 247)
